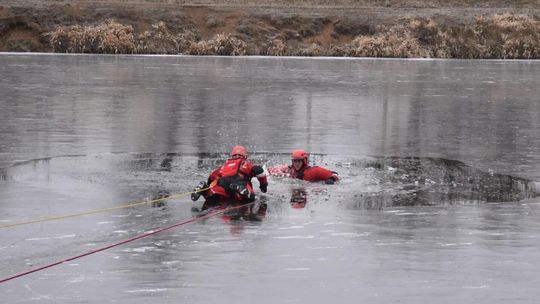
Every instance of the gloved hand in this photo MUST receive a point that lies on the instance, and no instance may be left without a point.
(264, 188)
(196, 191)
(245, 193)
(330, 181)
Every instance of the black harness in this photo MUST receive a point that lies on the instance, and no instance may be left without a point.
(299, 174)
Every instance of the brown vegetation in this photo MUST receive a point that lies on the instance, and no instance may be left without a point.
(206, 31)
(109, 38)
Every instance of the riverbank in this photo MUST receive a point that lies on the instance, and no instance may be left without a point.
(449, 29)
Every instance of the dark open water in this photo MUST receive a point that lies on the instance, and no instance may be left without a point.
(439, 160)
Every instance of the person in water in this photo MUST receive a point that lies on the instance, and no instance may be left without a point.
(300, 169)
(231, 182)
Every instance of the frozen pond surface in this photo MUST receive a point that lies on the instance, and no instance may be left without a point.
(439, 160)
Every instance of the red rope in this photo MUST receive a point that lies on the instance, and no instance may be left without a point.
(140, 236)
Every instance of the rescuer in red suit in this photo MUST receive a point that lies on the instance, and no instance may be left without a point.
(300, 169)
(231, 182)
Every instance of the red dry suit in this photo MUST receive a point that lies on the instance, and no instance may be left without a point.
(232, 177)
(307, 173)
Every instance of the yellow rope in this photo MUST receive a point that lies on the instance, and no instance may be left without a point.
(47, 219)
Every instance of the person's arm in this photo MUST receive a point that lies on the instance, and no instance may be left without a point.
(279, 171)
(320, 174)
(259, 173)
(214, 175)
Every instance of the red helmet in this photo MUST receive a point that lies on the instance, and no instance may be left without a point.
(300, 154)
(239, 152)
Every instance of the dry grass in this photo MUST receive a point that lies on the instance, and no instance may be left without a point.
(390, 44)
(221, 44)
(276, 47)
(496, 36)
(499, 36)
(113, 38)
(109, 37)
(507, 36)
(160, 40)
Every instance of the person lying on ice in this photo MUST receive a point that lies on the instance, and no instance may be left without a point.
(232, 181)
(301, 170)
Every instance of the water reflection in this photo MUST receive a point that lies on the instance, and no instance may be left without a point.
(482, 113)
(299, 198)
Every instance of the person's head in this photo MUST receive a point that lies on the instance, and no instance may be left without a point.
(239, 152)
(299, 159)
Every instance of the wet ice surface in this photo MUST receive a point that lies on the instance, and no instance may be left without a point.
(457, 223)
(343, 245)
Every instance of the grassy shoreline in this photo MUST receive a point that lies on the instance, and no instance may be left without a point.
(431, 29)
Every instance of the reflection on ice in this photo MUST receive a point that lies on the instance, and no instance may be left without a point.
(294, 237)
(57, 237)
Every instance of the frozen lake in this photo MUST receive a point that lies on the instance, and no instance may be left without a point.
(439, 161)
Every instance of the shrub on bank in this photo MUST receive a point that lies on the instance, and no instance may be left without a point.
(221, 44)
(109, 38)
(160, 40)
(401, 40)
(388, 45)
(311, 50)
(507, 36)
(498, 36)
(275, 47)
